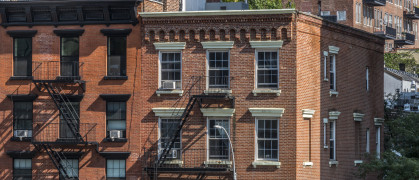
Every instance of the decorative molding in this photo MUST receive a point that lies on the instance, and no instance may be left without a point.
(266, 163)
(168, 112)
(333, 162)
(217, 44)
(170, 46)
(358, 117)
(333, 92)
(22, 33)
(176, 91)
(333, 115)
(218, 91)
(218, 112)
(267, 112)
(216, 13)
(116, 32)
(307, 164)
(378, 121)
(115, 97)
(266, 91)
(115, 155)
(69, 32)
(308, 113)
(334, 50)
(266, 44)
(358, 162)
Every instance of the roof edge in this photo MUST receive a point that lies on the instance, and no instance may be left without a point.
(217, 13)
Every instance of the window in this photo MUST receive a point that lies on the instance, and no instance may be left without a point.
(219, 146)
(117, 51)
(325, 65)
(341, 15)
(115, 169)
(367, 136)
(218, 69)
(332, 72)
(367, 79)
(357, 9)
(267, 139)
(71, 167)
(22, 169)
(116, 118)
(73, 117)
(69, 56)
(390, 21)
(171, 70)
(168, 128)
(267, 69)
(378, 141)
(332, 140)
(22, 57)
(325, 13)
(22, 118)
(365, 14)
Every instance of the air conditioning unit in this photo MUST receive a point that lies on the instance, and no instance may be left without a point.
(115, 134)
(169, 85)
(22, 133)
(172, 154)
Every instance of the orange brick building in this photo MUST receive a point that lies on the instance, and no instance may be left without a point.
(90, 91)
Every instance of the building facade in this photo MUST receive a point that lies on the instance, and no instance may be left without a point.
(90, 90)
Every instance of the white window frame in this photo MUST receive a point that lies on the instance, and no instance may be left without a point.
(367, 78)
(160, 67)
(332, 124)
(332, 69)
(159, 137)
(208, 137)
(367, 144)
(208, 68)
(378, 141)
(339, 17)
(325, 55)
(256, 66)
(256, 138)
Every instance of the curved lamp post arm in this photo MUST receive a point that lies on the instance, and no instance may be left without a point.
(232, 150)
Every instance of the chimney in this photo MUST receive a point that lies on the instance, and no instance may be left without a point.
(402, 67)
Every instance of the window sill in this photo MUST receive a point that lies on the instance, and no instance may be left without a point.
(307, 164)
(218, 91)
(325, 79)
(333, 162)
(115, 140)
(266, 163)
(333, 92)
(218, 162)
(325, 147)
(115, 78)
(358, 162)
(175, 91)
(24, 139)
(266, 91)
(174, 162)
(21, 78)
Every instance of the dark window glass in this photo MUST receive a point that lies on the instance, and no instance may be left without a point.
(22, 117)
(116, 116)
(267, 70)
(219, 147)
(115, 169)
(22, 57)
(73, 118)
(218, 70)
(69, 56)
(22, 169)
(117, 50)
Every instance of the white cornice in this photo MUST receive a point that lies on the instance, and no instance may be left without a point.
(267, 112)
(218, 112)
(308, 113)
(170, 45)
(216, 13)
(217, 44)
(378, 121)
(168, 112)
(333, 50)
(333, 115)
(358, 116)
(267, 44)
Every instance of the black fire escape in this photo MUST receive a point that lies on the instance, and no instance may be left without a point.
(193, 95)
(61, 80)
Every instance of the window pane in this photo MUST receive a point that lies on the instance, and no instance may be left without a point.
(69, 46)
(168, 129)
(23, 47)
(267, 139)
(115, 169)
(218, 140)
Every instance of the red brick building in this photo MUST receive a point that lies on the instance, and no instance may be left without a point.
(91, 92)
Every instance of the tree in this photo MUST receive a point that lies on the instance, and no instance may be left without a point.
(392, 60)
(267, 4)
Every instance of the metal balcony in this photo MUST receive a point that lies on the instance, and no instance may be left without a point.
(57, 71)
(412, 14)
(387, 32)
(406, 39)
(375, 2)
(58, 133)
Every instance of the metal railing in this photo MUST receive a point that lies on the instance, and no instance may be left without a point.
(57, 70)
(59, 133)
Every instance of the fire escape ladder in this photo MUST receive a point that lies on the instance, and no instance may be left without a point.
(68, 112)
(59, 160)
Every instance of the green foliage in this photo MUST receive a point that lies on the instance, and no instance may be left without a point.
(267, 4)
(392, 60)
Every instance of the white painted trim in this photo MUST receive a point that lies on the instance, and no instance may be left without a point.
(212, 90)
(266, 163)
(217, 44)
(334, 50)
(307, 164)
(168, 112)
(333, 115)
(325, 121)
(176, 91)
(332, 92)
(217, 13)
(218, 91)
(308, 113)
(267, 44)
(332, 162)
(266, 91)
(218, 162)
(257, 159)
(367, 144)
(217, 112)
(170, 45)
(325, 53)
(179, 161)
(358, 162)
(262, 90)
(378, 121)
(267, 112)
(358, 117)
(174, 162)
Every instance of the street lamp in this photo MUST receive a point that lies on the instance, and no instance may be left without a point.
(232, 150)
